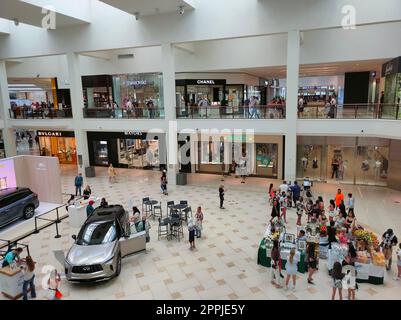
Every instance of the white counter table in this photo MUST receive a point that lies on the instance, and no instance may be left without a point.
(77, 212)
(11, 282)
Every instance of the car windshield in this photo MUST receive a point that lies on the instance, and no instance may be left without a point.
(97, 233)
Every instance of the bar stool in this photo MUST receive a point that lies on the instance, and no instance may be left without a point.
(146, 209)
(157, 211)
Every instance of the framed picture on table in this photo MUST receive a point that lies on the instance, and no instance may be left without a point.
(289, 237)
(301, 245)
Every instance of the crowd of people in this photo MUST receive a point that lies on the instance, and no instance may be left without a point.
(338, 215)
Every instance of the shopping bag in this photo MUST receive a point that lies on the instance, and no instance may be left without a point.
(58, 294)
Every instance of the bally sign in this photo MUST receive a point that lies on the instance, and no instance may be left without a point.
(391, 67)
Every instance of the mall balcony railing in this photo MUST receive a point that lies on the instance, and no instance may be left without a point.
(137, 113)
(352, 111)
(41, 113)
(240, 112)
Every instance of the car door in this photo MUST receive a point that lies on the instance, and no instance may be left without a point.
(9, 209)
(131, 243)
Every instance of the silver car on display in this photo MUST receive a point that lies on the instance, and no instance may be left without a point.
(99, 247)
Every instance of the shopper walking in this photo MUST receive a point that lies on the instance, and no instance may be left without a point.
(389, 240)
(112, 174)
(349, 283)
(337, 280)
(191, 231)
(29, 278)
(53, 284)
(311, 260)
(398, 262)
(350, 202)
(79, 181)
(296, 191)
(291, 268)
(283, 206)
(221, 196)
(90, 208)
(338, 198)
(198, 222)
(275, 265)
(300, 211)
(163, 183)
(275, 210)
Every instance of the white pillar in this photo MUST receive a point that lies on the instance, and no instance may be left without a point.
(168, 67)
(8, 134)
(77, 104)
(293, 50)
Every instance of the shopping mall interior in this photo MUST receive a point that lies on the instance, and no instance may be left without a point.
(231, 139)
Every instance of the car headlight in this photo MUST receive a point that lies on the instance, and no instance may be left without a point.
(109, 260)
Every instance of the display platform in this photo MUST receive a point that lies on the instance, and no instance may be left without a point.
(20, 227)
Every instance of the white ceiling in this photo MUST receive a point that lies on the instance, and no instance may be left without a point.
(310, 70)
(150, 7)
(30, 12)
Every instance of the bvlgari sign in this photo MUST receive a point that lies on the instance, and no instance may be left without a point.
(42, 133)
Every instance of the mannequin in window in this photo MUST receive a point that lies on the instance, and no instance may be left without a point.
(304, 163)
(315, 163)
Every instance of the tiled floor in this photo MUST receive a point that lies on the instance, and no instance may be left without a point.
(223, 266)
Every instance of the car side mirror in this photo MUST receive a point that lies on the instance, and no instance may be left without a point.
(74, 237)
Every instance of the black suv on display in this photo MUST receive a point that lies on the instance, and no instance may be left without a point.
(17, 203)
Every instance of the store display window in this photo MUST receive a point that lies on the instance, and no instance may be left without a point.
(138, 90)
(266, 159)
(212, 151)
(54, 144)
(101, 153)
(138, 153)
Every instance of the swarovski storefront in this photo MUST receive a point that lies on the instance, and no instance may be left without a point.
(348, 160)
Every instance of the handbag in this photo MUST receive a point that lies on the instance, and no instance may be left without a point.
(58, 294)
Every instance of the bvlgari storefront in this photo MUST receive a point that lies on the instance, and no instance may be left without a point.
(132, 149)
(59, 144)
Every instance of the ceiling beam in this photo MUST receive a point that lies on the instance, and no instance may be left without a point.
(5, 27)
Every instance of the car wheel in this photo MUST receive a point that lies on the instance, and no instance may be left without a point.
(29, 212)
(118, 265)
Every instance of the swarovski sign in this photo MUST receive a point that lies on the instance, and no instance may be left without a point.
(135, 83)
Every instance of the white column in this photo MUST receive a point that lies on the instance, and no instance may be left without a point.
(168, 67)
(77, 102)
(293, 49)
(8, 134)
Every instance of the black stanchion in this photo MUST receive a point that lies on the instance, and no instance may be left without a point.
(57, 234)
(36, 226)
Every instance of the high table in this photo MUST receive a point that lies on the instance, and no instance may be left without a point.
(179, 207)
(264, 257)
(150, 203)
(11, 282)
(171, 221)
(77, 212)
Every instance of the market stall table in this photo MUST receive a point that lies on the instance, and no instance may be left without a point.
(11, 282)
(264, 257)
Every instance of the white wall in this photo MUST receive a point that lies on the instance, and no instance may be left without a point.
(232, 78)
(212, 19)
(337, 81)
